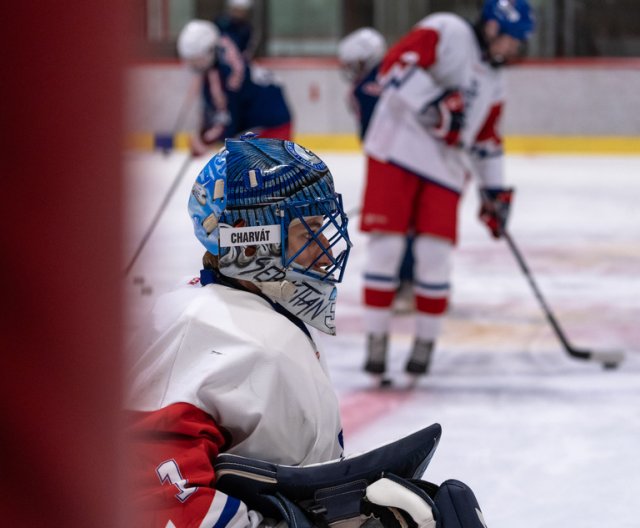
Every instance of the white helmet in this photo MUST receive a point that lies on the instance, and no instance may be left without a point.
(197, 40)
(361, 50)
(239, 4)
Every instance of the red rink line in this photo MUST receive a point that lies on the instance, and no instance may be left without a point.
(360, 409)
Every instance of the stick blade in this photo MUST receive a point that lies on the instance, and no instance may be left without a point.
(610, 359)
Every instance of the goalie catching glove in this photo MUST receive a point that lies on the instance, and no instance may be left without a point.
(380, 488)
(495, 205)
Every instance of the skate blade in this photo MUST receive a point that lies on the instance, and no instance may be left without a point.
(382, 381)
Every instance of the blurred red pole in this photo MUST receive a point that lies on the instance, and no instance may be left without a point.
(60, 316)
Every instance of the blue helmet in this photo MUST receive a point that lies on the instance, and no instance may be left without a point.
(242, 205)
(514, 17)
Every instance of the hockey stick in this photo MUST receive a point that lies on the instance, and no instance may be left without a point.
(156, 218)
(610, 359)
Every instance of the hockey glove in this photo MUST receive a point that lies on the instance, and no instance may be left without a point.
(495, 205)
(207, 141)
(450, 107)
(393, 502)
(212, 133)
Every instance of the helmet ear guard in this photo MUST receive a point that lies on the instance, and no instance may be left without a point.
(247, 200)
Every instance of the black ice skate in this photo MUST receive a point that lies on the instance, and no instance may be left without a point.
(376, 354)
(420, 359)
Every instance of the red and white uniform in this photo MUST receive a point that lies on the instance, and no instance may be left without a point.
(414, 178)
(440, 53)
(220, 370)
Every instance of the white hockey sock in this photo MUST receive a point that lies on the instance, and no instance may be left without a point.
(428, 327)
(384, 255)
(433, 261)
(377, 321)
(432, 274)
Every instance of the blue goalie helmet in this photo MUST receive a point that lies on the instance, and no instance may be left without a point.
(267, 208)
(514, 17)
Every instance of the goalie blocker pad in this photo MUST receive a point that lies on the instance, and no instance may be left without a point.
(326, 492)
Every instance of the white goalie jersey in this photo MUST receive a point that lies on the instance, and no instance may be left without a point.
(440, 53)
(221, 370)
(256, 384)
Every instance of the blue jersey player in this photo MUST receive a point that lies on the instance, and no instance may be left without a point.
(237, 97)
(360, 54)
(235, 22)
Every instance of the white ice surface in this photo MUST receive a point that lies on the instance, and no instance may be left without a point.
(544, 440)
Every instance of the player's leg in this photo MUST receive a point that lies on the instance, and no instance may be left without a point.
(384, 252)
(436, 227)
(431, 287)
(386, 214)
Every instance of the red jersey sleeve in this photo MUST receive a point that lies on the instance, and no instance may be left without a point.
(418, 47)
(171, 470)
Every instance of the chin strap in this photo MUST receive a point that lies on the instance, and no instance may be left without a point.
(277, 291)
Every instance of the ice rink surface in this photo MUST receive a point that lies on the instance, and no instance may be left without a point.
(544, 440)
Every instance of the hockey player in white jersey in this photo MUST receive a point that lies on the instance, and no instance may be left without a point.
(228, 363)
(443, 93)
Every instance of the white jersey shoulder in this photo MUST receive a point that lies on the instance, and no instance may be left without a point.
(259, 376)
(456, 49)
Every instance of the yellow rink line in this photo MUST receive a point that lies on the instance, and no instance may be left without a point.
(572, 145)
(597, 145)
